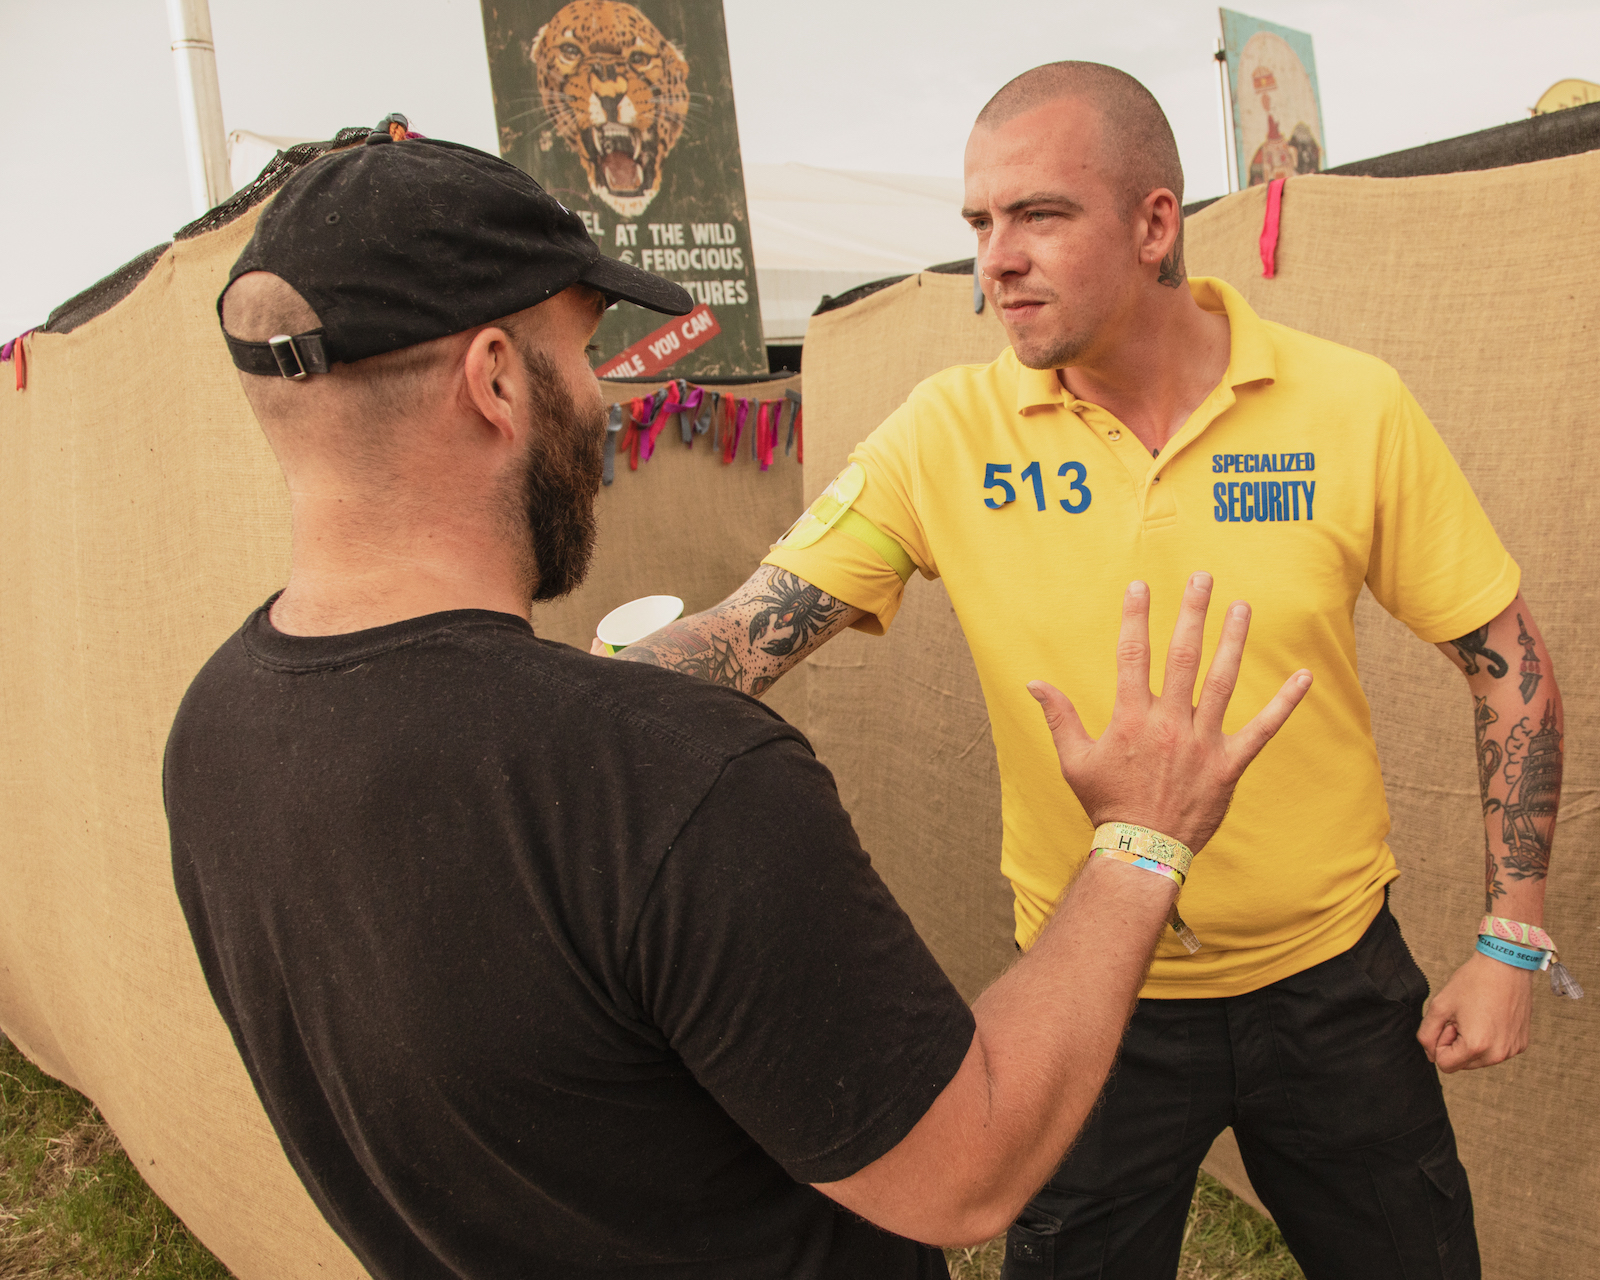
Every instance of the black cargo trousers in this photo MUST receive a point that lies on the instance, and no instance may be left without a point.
(1338, 1113)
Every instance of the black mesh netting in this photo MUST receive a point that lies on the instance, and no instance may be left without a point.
(105, 294)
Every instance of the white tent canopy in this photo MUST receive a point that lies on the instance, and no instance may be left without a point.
(813, 231)
(822, 231)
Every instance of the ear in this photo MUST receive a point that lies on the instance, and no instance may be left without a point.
(495, 383)
(1160, 217)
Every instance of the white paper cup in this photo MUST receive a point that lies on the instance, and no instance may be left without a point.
(629, 623)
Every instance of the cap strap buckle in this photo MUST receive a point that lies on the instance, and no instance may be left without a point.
(288, 357)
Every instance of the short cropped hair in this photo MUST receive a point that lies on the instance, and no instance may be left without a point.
(385, 387)
(1137, 136)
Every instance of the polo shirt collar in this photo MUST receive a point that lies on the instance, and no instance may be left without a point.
(1036, 387)
(1251, 356)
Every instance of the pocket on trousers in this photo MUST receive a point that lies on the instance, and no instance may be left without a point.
(1031, 1247)
(1450, 1205)
(1387, 963)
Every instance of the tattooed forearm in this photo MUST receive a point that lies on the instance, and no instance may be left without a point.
(1530, 661)
(1519, 778)
(751, 638)
(1528, 814)
(682, 647)
(1519, 750)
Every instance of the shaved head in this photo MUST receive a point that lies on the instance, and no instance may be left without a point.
(1137, 141)
(369, 394)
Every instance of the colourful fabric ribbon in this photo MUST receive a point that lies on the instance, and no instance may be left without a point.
(16, 351)
(740, 417)
(792, 398)
(689, 399)
(1269, 228)
(634, 426)
(614, 420)
(660, 407)
(634, 431)
(767, 431)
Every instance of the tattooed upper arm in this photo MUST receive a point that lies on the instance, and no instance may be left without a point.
(1475, 645)
(790, 614)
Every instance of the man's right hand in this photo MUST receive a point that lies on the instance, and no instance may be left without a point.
(1164, 762)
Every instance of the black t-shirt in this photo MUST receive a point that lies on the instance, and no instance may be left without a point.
(546, 964)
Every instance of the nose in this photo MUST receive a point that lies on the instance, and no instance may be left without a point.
(1002, 252)
(608, 84)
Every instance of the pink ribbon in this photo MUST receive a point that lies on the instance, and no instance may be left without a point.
(1269, 228)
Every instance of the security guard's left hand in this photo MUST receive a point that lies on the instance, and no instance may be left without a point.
(1481, 1017)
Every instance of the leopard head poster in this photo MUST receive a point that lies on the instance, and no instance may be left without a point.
(624, 112)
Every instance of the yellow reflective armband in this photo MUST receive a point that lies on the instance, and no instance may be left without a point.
(824, 513)
(831, 510)
(855, 525)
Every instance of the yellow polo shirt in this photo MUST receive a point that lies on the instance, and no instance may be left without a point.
(1308, 471)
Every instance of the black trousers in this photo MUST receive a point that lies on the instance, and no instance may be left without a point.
(1338, 1113)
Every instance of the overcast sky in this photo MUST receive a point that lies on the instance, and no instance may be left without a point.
(92, 163)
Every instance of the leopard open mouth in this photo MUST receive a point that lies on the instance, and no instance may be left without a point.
(617, 150)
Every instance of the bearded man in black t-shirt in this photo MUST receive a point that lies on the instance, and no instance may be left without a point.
(548, 965)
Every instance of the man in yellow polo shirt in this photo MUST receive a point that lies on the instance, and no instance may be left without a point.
(1142, 426)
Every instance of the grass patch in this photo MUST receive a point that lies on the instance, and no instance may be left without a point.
(1225, 1239)
(72, 1206)
(71, 1202)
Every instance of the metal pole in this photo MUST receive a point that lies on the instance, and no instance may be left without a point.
(199, 102)
(1229, 159)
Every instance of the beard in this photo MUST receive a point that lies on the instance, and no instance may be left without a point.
(560, 481)
(1042, 349)
(1054, 352)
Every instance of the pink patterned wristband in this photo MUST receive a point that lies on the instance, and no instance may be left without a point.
(1526, 935)
(1518, 934)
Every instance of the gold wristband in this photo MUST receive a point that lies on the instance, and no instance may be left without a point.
(1142, 842)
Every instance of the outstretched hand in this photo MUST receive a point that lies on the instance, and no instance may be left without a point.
(1164, 762)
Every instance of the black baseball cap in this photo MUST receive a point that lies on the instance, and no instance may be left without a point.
(396, 243)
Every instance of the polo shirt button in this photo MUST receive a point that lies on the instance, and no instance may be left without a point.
(1157, 480)
(1113, 435)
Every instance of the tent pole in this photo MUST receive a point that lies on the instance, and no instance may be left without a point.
(199, 102)
(1229, 170)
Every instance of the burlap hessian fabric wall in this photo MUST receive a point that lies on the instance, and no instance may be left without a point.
(686, 525)
(142, 517)
(1483, 290)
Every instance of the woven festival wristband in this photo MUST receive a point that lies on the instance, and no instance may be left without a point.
(1138, 860)
(1524, 935)
(1185, 934)
(1526, 946)
(1510, 953)
(1143, 843)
